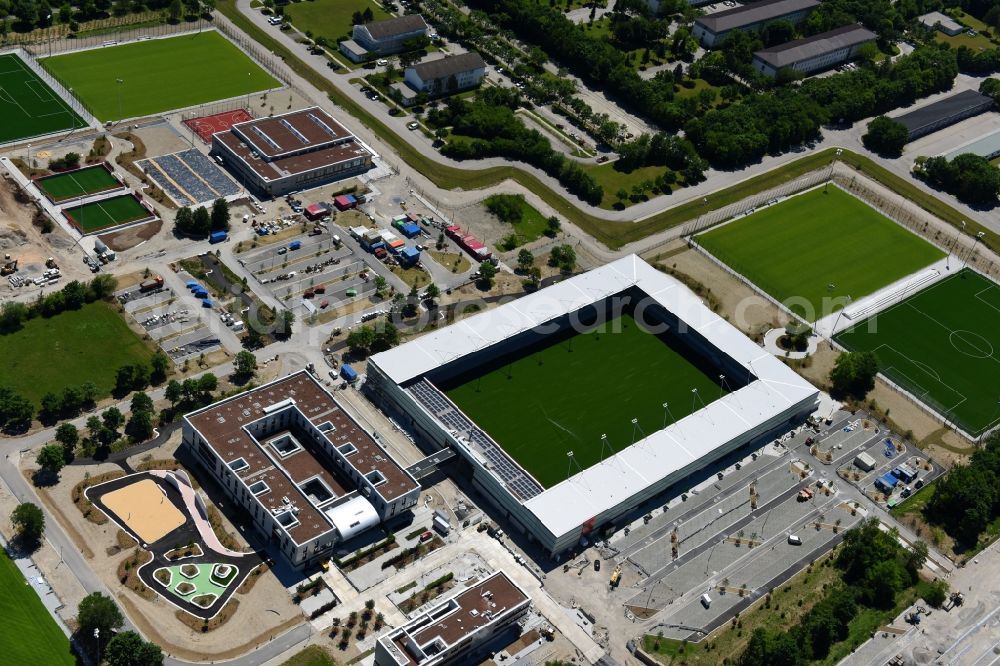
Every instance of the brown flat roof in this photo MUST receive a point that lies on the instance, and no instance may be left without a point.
(291, 132)
(287, 166)
(222, 426)
(471, 610)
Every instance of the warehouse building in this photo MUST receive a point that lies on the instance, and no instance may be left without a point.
(938, 21)
(815, 53)
(770, 399)
(294, 151)
(449, 632)
(379, 38)
(987, 147)
(944, 112)
(711, 30)
(302, 469)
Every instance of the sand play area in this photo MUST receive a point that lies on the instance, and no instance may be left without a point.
(145, 509)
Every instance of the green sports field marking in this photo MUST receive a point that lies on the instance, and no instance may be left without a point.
(995, 292)
(47, 98)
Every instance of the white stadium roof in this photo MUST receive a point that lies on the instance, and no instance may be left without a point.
(629, 472)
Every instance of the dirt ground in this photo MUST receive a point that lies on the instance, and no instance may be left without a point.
(126, 239)
(265, 611)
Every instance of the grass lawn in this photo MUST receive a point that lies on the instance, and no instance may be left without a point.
(107, 213)
(942, 345)
(28, 633)
(796, 249)
(330, 18)
(89, 180)
(531, 227)
(314, 655)
(69, 349)
(456, 262)
(612, 180)
(412, 275)
(159, 75)
(28, 106)
(542, 403)
(668, 648)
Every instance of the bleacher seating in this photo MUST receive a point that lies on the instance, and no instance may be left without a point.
(190, 177)
(185, 178)
(150, 168)
(518, 482)
(201, 164)
(865, 308)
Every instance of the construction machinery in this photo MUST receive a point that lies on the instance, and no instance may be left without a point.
(51, 263)
(616, 576)
(9, 265)
(805, 494)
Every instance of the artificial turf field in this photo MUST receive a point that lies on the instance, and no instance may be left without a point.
(28, 633)
(69, 349)
(108, 213)
(159, 75)
(89, 180)
(29, 107)
(796, 249)
(563, 396)
(942, 345)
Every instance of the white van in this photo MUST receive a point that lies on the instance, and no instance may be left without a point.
(794, 540)
(706, 600)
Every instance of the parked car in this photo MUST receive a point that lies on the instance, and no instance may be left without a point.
(412, 125)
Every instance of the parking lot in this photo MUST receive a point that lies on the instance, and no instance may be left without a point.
(317, 270)
(177, 322)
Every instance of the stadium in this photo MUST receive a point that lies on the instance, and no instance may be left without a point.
(576, 404)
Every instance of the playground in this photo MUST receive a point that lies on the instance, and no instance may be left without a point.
(145, 509)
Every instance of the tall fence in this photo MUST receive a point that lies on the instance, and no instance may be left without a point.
(63, 91)
(52, 42)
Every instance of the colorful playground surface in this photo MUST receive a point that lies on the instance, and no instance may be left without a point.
(199, 584)
(206, 126)
(146, 509)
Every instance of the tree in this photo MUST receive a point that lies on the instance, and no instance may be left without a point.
(525, 260)
(563, 256)
(73, 400)
(284, 324)
(936, 593)
(380, 285)
(141, 402)
(173, 392)
(487, 272)
(207, 383)
(112, 418)
(174, 10)
(97, 611)
(360, 340)
(507, 208)
(51, 458)
(51, 406)
(159, 366)
(128, 649)
(140, 425)
(103, 286)
(853, 374)
(244, 366)
(68, 436)
(552, 226)
(29, 522)
(432, 291)
(220, 215)
(885, 136)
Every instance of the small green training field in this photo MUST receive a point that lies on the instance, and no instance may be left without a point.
(564, 395)
(106, 213)
(69, 349)
(797, 249)
(28, 106)
(331, 18)
(83, 182)
(942, 345)
(28, 633)
(159, 75)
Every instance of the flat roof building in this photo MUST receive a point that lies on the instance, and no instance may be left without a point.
(988, 147)
(815, 53)
(380, 38)
(944, 112)
(712, 29)
(293, 151)
(770, 398)
(946, 24)
(306, 473)
(448, 632)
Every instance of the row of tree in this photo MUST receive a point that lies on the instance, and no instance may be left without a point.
(199, 223)
(967, 499)
(969, 177)
(874, 568)
(495, 131)
(73, 296)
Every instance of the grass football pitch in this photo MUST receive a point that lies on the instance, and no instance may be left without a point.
(942, 345)
(28, 633)
(108, 213)
(563, 396)
(331, 18)
(69, 349)
(29, 107)
(78, 183)
(796, 249)
(159, 75)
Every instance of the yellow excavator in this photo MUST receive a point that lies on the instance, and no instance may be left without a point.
(9, 265)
